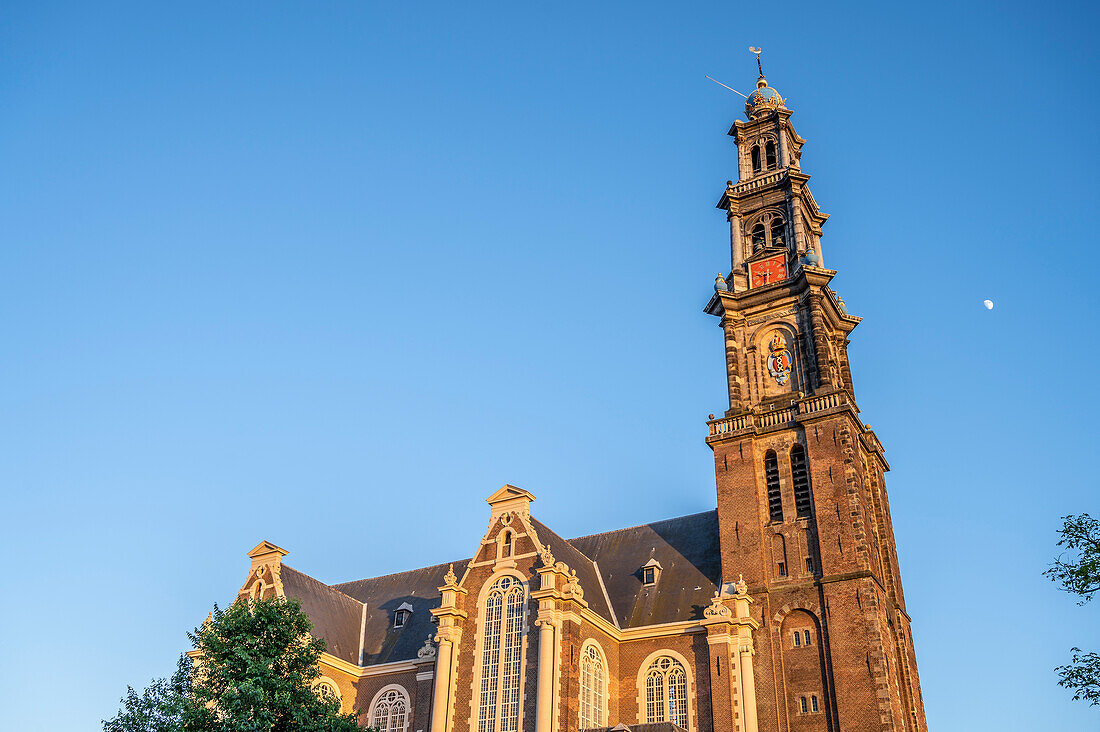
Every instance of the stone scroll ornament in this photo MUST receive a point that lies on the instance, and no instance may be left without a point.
(779, 359)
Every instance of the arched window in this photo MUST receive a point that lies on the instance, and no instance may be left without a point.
(769, 155)
(771, 478)
(800, 476)
(759, 238)
(593, 688)
(502, 656)
(325, 686)
(666, 692)
(755, 159)
(390, 710)
(507, 539)
(777, 227)
(770, 230)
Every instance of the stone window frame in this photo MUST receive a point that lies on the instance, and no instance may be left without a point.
(601, 711)
(378, 697)
(479, 645)
(766, 219)
(689, 684)
(330, 683)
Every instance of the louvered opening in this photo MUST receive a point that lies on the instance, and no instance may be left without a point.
(800, 476)
(771, 477)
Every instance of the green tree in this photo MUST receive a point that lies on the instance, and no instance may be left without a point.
(1077, 570)
(255, 673)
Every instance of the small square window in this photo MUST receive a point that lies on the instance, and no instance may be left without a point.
(813, 703)
(649, 575)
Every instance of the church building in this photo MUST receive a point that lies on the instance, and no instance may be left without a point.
(781, 610)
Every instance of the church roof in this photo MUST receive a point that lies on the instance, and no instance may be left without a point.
(608, 566)
(335, 616)
(382, 642)
(691, 568)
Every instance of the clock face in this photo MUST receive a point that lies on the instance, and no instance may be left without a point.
(767, 271)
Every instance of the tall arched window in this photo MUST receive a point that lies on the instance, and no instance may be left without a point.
(769, 155)
(666, 692)
(593, 688)
(771, 478)
(755, 159)
(390, 710)
(800, 476)
(502, 656)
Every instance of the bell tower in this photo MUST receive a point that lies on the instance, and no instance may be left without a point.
(802, 503)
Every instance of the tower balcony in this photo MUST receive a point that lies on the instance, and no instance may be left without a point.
(757, 420)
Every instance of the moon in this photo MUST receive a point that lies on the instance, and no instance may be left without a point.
(988, 304)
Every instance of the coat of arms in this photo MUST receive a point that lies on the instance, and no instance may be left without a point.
(779, 359)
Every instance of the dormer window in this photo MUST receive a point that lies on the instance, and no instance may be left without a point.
(402, 615)
(651, 572)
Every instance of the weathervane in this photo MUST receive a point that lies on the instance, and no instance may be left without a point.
(757, 52)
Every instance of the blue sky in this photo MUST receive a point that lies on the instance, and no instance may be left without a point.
(330, 273)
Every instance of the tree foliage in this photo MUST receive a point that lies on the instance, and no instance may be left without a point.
(255, 672)
(1077, 571)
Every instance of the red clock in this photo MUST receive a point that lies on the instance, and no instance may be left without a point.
(767, 271)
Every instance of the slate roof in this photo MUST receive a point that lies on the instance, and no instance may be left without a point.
(586, 570)
(686, 547)
(382, 642)
(607, 565)
(335, 616)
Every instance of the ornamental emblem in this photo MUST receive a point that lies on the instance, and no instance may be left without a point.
(779, 359)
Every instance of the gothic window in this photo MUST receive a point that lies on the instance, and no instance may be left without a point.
(769, 155)
(771, 478)
(390, 710)
(666, 692)
(800, 476)
(802, 704)
(806, 640)
(593, 688)
(813, 703)
(501, 656)
(755, 159)
(797, 639)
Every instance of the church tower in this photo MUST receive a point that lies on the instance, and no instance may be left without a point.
(802, 505)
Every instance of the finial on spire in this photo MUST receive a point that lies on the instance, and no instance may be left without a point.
(757, 51)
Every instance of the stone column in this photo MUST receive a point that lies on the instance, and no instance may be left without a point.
(737, 246)
(545, 704)
(748, 688)
(733, 377)
(821, 348)
(441, 698)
